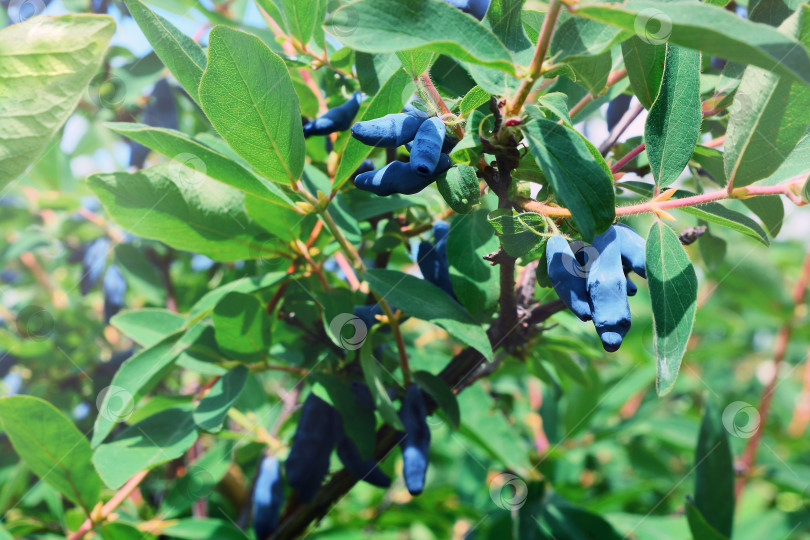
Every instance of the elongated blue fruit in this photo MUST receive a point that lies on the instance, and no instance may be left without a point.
(362, 469)
(476, 8)
(427, 146)
(567, 277)
(632, 288)
(632, 247)
(114, 288)
(366, 166)
(312, 444)
(416, 442)
(268, 497)
(432, 259)
(616, 109)
(338, 119)
(397, 177)
(450, 142)
(93, 263)
(607, 287)
(391, 130)
(440, 231)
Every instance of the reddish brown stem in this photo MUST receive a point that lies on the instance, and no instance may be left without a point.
(628, 158)
(783, 339)
(122, 494)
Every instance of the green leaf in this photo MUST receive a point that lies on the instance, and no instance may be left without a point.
(131, 382)
(416, 61)
(504, 19)
(147, 326)
(644, 63)
(441, 393)
(519, 233)
(380, 26)
(180, 147)
(52, 447)
(358, 421)
(181, 54)
(459, 188)
(796, 164)
(578, 180)
(160, 438)
(475, 281)
(673, 125)
(247, 285)
(389, 99)
(469, 149)
(247, 94)
(425, 301)
(374, 380)
(714, 472)
(142, 276)
(184, 209)
(770, 210)
(242, 327)
(768, 117)
(673, 294)
(46, 64)
(699, 527)
(196, 528)
(715, 212)
(199, 481)
(472, 100)
(301, 17)
(213, 408)
(709, 29)
(712, 249)
(577, 37)
(592, 72)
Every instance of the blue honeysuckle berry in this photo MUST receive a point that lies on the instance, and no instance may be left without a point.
(567, 277)
(268, 497)
(339, 118)
(201, 263)
(632, 247)
(432, 259)
(632, 288)
(391, 130)
(362, 469)
(476, 8)
(161, 111)
(398, 177)
(316, 435)
(93, 262)
(114, 288)
(616, 109)
(427, 146)
(415, 443)
(607, 288)
(366, 166)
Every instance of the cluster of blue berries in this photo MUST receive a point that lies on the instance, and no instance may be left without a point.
(593, 282)
(320, 430)
(429, 148)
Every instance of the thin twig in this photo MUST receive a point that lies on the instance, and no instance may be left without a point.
(122, 494)
(783, 339)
